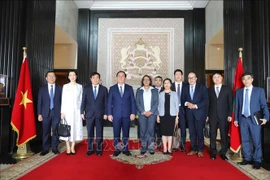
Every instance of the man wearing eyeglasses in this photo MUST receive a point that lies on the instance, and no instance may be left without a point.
(195, 101)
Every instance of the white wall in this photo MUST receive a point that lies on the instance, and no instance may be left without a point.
(67, 17)
(213, 18)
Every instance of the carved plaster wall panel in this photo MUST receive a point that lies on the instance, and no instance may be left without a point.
(138, 47)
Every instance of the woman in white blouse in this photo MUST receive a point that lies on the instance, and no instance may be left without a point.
(70, 110)
(147, 107)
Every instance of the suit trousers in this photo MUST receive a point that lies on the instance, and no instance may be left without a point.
(196, 134)
(182, 123)
(158, 134)
(249, 130)
(118, 124)
(223, 127)
(90, 125)
(49, 125)
(147, 132)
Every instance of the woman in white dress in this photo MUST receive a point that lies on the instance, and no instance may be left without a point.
(70, 110)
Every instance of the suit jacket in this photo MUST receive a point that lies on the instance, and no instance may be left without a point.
(182, 108)
(91, 107)
(140, 101)
(43, 107)
(121, 106)
(220, 107)
(200, 98)
(174, 106)
(257, 103)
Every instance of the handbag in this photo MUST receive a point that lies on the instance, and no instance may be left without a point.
(63, 129)
(206, 131)
(176, 138)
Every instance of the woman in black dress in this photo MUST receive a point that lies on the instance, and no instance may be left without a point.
(168, 114)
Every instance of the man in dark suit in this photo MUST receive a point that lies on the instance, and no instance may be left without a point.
(195, 101)
(158, 85)
(48, 110)
(250, 100)
(219, 114)
(178, 86)
(121, 110)
(94, 110)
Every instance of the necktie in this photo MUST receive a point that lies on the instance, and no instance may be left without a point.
(121, 91)
(95, 92)
(179, 94)
(191, 92)
(217, 91)
(246, 105)
(51, 98)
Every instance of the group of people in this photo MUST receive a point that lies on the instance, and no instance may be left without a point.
(161, 107)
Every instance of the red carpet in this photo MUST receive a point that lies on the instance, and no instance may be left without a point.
(181, 166)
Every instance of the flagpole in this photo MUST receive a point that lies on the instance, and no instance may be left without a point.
(24, 150)
(237, 156)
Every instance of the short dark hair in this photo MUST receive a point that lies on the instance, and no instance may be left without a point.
(121, 72)
(166, 79)
(70, 72)
(178, 70)
(158, 77)
(94, 73)
(247, 74)
(51, 71)
(150, 79)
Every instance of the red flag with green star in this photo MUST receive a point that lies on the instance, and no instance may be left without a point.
(23, 118)
(234, 132)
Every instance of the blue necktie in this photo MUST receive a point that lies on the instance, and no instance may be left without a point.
(191, 92)
(246, 105)
(179, 94)
(95, 92)
(121, 91)
(51, 98)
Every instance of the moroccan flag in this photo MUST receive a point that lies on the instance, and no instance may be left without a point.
(23, 118)
(234, 132)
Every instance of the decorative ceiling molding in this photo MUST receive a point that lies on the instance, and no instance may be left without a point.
(141, 4)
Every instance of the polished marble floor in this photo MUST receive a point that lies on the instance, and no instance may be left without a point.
(261, 174)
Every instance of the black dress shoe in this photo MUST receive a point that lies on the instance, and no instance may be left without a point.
(56, 152)
(165, 153)
(245, 162)
(99, 153)
(182, 149)
(68, 154)
(152, 152)
(224, 157)
(213, 156)
(127, 153)
(73, 153)
(116, 153)
(43, 153)
(142, 152)
(256, 165)
(89, 153)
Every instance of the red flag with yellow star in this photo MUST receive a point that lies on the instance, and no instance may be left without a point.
(23, 118)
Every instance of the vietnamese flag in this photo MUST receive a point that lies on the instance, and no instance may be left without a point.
(234, 132)
(23, 118)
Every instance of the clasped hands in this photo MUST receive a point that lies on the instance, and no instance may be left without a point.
(132, 117)
(191, 106)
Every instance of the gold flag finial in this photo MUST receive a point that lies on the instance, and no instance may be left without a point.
(240, 52)
(24, 51)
